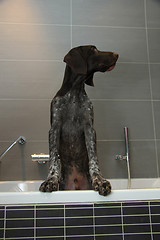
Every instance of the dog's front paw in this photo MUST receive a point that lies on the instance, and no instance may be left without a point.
(101, 185)
(49, 185)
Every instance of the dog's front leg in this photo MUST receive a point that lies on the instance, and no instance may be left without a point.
(52, 181)
(99, 183)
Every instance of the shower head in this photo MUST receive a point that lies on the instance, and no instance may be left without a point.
(22, 140)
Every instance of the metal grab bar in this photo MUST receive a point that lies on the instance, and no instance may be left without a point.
(20, 140)
(127, 156)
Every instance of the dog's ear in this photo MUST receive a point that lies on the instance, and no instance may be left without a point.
(76, 60)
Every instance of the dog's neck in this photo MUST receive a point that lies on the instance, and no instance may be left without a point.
(72, 82)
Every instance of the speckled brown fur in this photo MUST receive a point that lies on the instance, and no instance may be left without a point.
(72, 138)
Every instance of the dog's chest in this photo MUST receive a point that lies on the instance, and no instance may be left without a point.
(76, 107)
(76, 112)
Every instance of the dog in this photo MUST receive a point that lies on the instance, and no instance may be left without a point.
(72, 138)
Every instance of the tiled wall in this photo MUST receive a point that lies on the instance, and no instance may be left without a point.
(111, 221)
(34, 37)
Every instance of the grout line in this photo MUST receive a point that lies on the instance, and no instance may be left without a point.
(94, 226)
(28, 141)
(5, 215)
(151, 63)
(34, 24)
(98, 100)
(24, 238)
(64, 222)
(98, 140)
(122, 221)
(24, 99)
(29, 60)
(34, 222)
(86, 217)
(130, 140)
(149, 206)
(75, 25)
(151, 92)
(107, 26)
(60, 61)
(125, 100)
(71, 20)
(47, 99)
(114, 27)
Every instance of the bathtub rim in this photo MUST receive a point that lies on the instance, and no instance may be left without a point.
(27, 193)
(70, 197)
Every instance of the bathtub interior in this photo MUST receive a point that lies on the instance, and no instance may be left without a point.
(117, 184)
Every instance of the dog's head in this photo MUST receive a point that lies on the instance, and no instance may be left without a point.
(88, 59)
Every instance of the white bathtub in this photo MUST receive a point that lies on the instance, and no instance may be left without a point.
(27, 193)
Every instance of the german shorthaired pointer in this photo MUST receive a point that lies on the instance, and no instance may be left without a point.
(72, 138)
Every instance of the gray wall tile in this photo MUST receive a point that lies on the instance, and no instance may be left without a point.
(158, 152)
(40, 42)
(29, 118)
(154, 46)
(112, 116)
(157, 118)
(143, 162)
(11, 165)
(153, 16)
(40, 79)
(35, 11)
(108, 13)
(155, 73)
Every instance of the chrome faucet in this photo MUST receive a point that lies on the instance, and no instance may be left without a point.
(126, 156)
(40, 158)
(20, 140)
